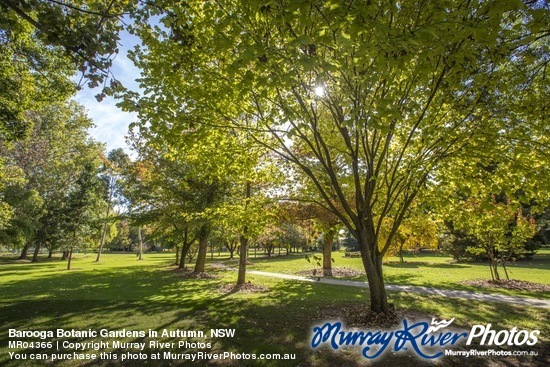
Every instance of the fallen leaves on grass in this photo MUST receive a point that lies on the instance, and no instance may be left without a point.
(243, 288)
(192, 274)
(508, 284)
(359, 315)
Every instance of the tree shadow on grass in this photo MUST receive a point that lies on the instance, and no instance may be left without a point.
(279, 321)
(419, 264)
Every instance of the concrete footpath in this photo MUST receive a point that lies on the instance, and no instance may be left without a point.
(478, 296)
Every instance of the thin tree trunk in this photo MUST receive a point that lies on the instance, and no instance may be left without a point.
(104, 229)
(65, 255)
(203, 249)
(494, 265)
(505, 270)
(497, 275)
(182, 255)
(70, 258)
(24, 252)
(185, 248)
(50, 253)
(327, 252)
(36, 251)
(401, 260)
(102, 241)
(505, 259)
(140, 250)
(241, 278)
(177, 255)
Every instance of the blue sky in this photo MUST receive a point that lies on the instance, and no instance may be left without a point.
(111, 122)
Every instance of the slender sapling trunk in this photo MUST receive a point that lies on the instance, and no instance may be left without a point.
(70, 258)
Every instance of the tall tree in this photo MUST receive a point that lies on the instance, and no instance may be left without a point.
(368, 99)
(179, 190)
(80, 211)
(113, 164)
(500, 230)
(325, 221)
(418, 231)
(51, 161)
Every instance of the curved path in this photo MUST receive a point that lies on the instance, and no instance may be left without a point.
(478, 296)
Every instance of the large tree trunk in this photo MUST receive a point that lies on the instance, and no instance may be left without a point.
(65, 255)
(36, 251)
(242, 260)
(327, 252)
(24, 252)
(372, 262)
(203, 249)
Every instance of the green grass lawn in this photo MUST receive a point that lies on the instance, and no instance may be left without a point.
(429, 270)
(123, 293)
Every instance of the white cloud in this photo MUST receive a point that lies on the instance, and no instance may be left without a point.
(111, 122)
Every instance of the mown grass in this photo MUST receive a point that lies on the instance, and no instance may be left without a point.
(429, 270)
(123, 293)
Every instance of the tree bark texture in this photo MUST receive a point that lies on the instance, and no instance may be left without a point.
(242, 260)
(203, 249)
(36, 251)
(70, 258)
(24, 252)
(327, 252)
(372, 262)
